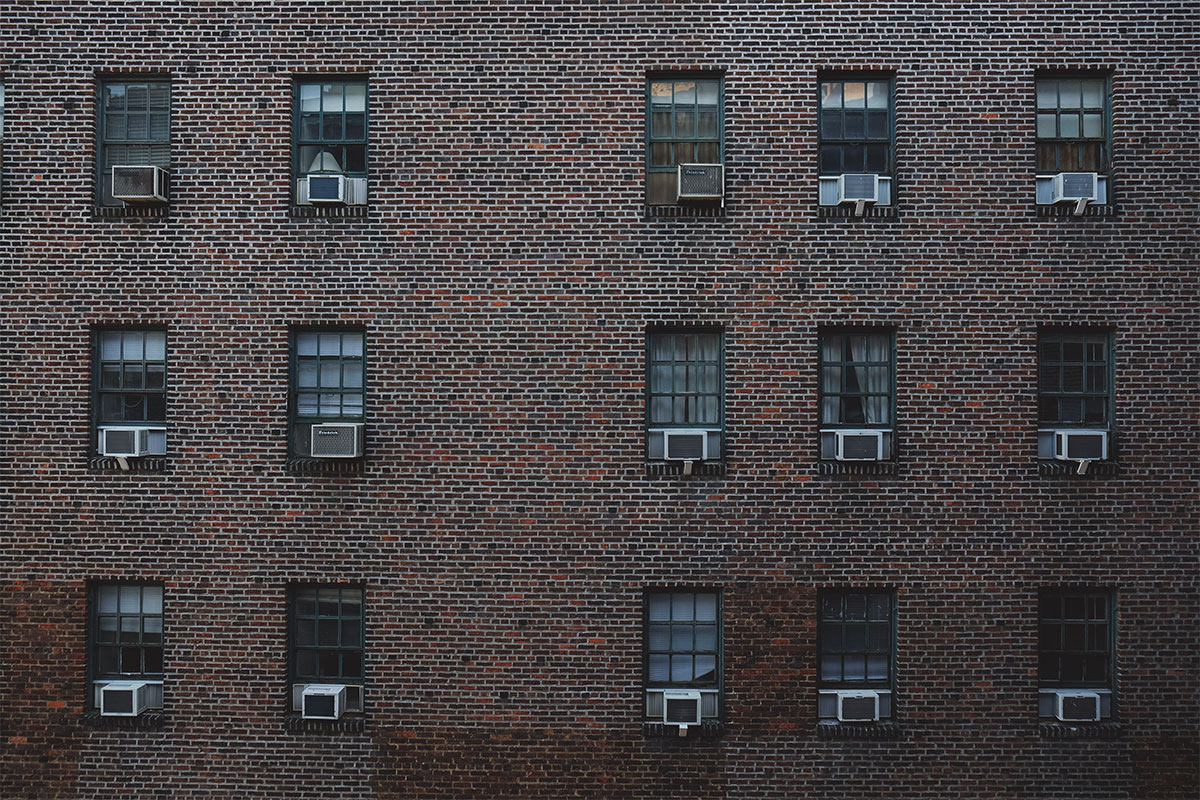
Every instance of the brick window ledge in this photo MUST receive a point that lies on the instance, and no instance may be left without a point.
(674, 469)
(1068, 209)
(847, 212)
(859, 730)
(708, 729)
(153, 719)
(1068, 470)
(142, 464)
(149, 211)
(350, 723)
(325, 466)
(858, 468)
(701, 211)
(1089, 730)
(327, 212)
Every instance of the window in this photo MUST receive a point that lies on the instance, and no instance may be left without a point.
(331, 137)
(1075, 646)
(682, 648)
(856, 637)
(857, 393)
(131, 389)
(135, 131)
(685, 125)
(1075, 384)
(686, 388)
(326, 635)
(856, 133)
(1073, 130)
(126, 637)
(328, 385)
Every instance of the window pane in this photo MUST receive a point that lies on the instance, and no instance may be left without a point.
(877, 667)
(1047, 94)
(352, 345)
(306, 663)
(331, 374)
(706, 637)
(660, 637)
(306, 405)
(1047, 126)
(356, 97)
(327, 601)
(685, 94)
(107, 630)
(351, 664)
(681, 637)
(831, 95)
(327, 664)
(877, 95)
(352, 375)
(331, 98)
(831, 668)
(682, 607)
(153, 659)
(855, 95)
(305, 632)
(131, 349)
(1091, 126)
(327, 632)
(331, 405)
(706, 93)
(706, 668)
(856, 606)
(681, 668)
(330, 344)
(131, 659)
(854, 667)
(855, 637)
(706, 607)
(152, 630)
(331, 126)
(1069, 94)
(660, 606)
(131, 599)
(659, 666)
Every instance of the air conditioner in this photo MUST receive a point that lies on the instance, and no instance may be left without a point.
(124, 442)
(323, 701)
(139, 184)
(681, 707)
(858, 188)
(336, 440)
(1071, 187)
(700, 181)
(326, 188)
(865, 445)
(858, 706)
(1080, 445)
(1074, 706)
(685, 445)
(124, 698)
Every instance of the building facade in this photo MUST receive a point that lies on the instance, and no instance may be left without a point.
(597, 400)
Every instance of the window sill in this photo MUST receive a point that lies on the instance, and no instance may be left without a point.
(322, 466)
(154, 719)
(708, 729)
(1083, 730)
(1067, 470)
(674, 469)
(858, 468)
(349, 723)
(885, 729)
(328, 212)
(149, 211)
(847, 212)
(713, 210)
(142, 464)
(1068, 210)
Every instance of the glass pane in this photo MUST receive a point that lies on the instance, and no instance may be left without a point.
(352, 345)
(131, 599)
(137, 127)
(159, 125)
(153, 659)
(131, 349)
(306, 405)
(831, 160)
(306, 663)
(114, 126)
(1072, 668)
(878, 606)
(1073, 636)
(706, 669)
(131, 659)
(352, 664)
(855, 668)
(661, 379)
(351, 603)
(134, 407)
(831, 668)
(660, 122)
(880, 635)
(877, 95)
(660, 606)
(831, 606)
(331, 374)
(1091, 126)
(831, 95)
(659, 668)
(306, 600)
(877, 667)
(855, 637)
(152, 599)
(706, 607)
(855, 95)
(331, 126)
(856, 606)
(682, 607)
(681, 668)
(1073, 607)
(856, 124)
(136, 97)
(1097, 608)
(310, 130)
(330, 344)
(853, 157)
(131, 630)
(660, 154)
(327, 664)
(706, 637)
(310, 97)
(114, 97)
(327, 601)
(327, 632)
(685, 93)
(706, 124)
(305, 632)
(109, 661)
(107, 629)
(110, 346)
(1069, 94)
(133, 376)
(306, 373)
(685, 123)
(706, 93)
(152, 630)
(1047, 94)
(331, 405)
(708, 153)
(110, 376)
(1068, 126)
(331, 98)
(681, 637)
(1047, 126)
(352, 375)
(831, 639)
(356, 97)
(155, 346)
(660, 637)
(831, 124)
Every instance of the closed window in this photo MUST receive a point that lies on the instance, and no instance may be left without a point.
(126, 637)
(1076, 633)
(857, 394)
(1074, 135)
(328, 390)
(856, 137)
(331, 141)
(685, 394)
(135, 137)
(685, 125)
(326, 635)
(682, 637)
(130, 392)
(1075, 386)
(856, 638)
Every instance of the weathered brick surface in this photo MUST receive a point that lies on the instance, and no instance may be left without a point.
(504, 525)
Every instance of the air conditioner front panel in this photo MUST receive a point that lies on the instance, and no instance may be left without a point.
(325, 189)
(1078, 706)
(1081, 445)
(335, 440)
(323, 701)
(700, 181)
(139, 183)
(859, 445)
(854, 187)
(123, 699)
(124, 442)
(681, 707)
(1073, 186)
(686, 445)
(858, 706)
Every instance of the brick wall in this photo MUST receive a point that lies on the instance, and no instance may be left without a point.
(504, 525)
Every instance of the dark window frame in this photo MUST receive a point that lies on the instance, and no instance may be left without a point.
(1058, 140)
(94, 673)
(718, 685)
(103, 141)
(98, 391)
(844, 331)
(844, 141)
(1060, 595)
(295, 390)
(1109, 393)
(651, 139)
(299, 141)
(293, 646)
(888, 683)
(685, 330)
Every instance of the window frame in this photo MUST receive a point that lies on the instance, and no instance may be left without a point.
(859, 77)
(96, 678)
(1046, 429)
(102, 142)
(1107, 689)
(1106, 136)
(293, 676)
(294, 389)
(883, 686)
(648, 133)
(652, 427)
(297, 142)
(650, 686)
(844, 331)
(97, 390)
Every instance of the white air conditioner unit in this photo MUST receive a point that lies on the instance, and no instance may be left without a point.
(140, 183)
(858, 188)
(859, 445)
(700, 182)
(1077, 706)
(1071, 187)
(681, 707)
(1078, 444)
(323, 701)
(858, 705)
(124, 442)
(124, 698)
(685, 445)
(336, 440)
(325, 189)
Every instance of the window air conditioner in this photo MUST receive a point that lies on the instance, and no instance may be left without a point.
(1080, 445)
(326, 188)
(323, 701)
(1071, 187)
(858, 706)
(858, 188)
(685, 445)
(124, 442)
(124, 698)
(700, 181)
(859, 445)
(682, 708)
(336, 440)
(1072, 706)
(139, 184)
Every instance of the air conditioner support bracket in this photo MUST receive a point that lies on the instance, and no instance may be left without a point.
(1080, 205)
(1082, 468)
(860, 207)
(687, 470)
(683, 728)
(123, 463)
